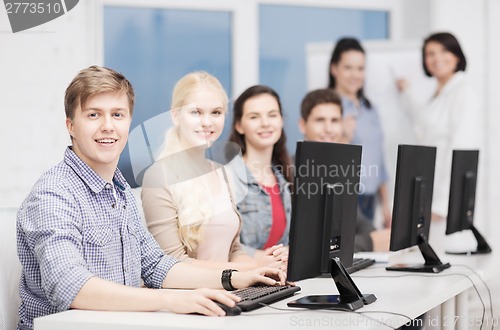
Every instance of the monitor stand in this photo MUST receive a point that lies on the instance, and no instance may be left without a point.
(350, 298)
(432, 263)
(482, 245)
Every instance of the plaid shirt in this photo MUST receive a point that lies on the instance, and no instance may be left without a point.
(74, 225)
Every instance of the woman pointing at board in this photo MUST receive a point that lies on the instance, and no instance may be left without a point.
(452, 118)
(362, 124)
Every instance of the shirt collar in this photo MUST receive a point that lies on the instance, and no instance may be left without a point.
(347, 102)
(95, 182)
(456, 79)
(248, 178)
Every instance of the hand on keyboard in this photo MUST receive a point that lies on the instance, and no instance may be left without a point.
(265, 275)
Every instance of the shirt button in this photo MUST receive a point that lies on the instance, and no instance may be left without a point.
(108, 186)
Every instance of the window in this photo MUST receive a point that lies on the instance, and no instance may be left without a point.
(282, 47)
(154, 48)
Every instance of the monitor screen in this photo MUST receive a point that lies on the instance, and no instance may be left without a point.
(461, 204)
(323, 225)
(412, 205)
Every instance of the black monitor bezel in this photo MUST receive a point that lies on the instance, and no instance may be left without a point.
(464, 162)
(462, 199)
(413, 207)
(413, 163)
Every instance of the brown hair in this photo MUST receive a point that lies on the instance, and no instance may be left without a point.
(344, 45)
(92, 81)
(317, 97)
(280, 157)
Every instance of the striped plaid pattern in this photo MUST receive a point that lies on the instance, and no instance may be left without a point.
(74, 225)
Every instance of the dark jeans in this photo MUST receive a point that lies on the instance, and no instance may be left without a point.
(367, 206)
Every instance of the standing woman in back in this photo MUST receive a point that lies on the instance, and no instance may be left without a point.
(362, 124)
(452, 118)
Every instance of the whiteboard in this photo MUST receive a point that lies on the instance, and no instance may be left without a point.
(385, 62)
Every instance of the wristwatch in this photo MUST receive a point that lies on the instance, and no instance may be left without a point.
(226, 279)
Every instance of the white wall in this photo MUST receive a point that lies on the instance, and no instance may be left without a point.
(35, 68)
(37, 65)
(492, 60)
(416, 19)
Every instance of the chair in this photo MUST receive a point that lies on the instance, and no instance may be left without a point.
(10, 270)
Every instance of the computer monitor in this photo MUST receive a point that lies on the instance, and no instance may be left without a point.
(411, 217)
(462, 199)
(323, 225)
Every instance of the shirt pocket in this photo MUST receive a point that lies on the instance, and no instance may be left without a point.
(246, 207)
(134, 239)
(133, 257)
(101, 251)
(97, 236)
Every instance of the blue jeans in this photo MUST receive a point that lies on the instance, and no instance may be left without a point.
(367, 205)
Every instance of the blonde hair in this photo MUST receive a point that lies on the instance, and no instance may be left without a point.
(182, 89)
(192, 81)
(190, 194)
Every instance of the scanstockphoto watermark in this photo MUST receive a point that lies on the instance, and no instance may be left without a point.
(24, 15)
(354, 321)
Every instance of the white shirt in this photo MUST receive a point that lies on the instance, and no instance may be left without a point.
(453, 119)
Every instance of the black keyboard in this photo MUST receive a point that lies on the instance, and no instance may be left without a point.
(359, 263)
(252, 297)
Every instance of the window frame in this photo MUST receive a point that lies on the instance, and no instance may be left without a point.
(245, 19)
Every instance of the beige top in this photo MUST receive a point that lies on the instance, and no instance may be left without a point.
(220, 232)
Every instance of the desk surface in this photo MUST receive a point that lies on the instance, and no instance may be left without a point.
(410, 294)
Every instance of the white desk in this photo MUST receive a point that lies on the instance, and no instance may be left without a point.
(409, 294)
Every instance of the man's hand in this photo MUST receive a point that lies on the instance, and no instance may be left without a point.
(201, 301)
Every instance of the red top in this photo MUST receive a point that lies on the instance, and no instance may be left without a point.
(279, 218)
